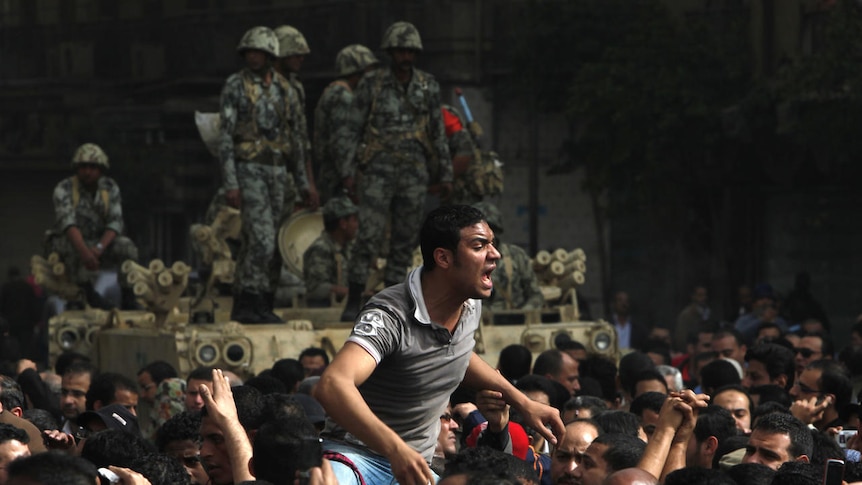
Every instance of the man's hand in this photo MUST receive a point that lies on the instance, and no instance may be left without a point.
(409, 467)
(494, 408)
(322, 475)
(810, 411)
(57, 440)
(233, 198)
(129, 476)
(89, 258)
(538, 416)
(220, 404)
(688, 406)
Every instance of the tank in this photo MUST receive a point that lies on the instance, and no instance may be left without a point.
(169, 328)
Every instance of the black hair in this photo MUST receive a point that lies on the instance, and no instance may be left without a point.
(480, 461)
(852, 469)
(797, 473)
(548, 362)
(698, 475)
(776, 359)
(66, 359)
(159, 370)
(729, 332)
(827, 347)
(161, 469)
(79, 367)
(289, 372)
(442, 229)
(736, 388)
(515, 361)
(41, 419)
(249, 407)
(114, 447)
(9, 433)
(648, 400)
(604, 371)
(851, 357)
(825, 448)
(751, 474)
(53, 468)
(647, 375)
(180, 427)
(315, 352)
(772, 393)
(780, 423)
(618, 422)
(281, 405)
(631, 366)
(539, 383)
(277, 445)
(834, 379)
(11, 395)
(714, 421)
(624, 451)
(659, 347)
(266, 385)
(201, 374)
(595, 404)
(766, 408)
(105, 385)
(717, 374)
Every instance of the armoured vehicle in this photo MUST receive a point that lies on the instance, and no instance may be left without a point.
(124, 341)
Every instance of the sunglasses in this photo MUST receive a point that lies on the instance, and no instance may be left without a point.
(447, 417)
(807, 390)
(805, 353)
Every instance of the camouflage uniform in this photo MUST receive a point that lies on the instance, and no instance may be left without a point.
(259, 148)
(461, 144)
(515, 283)
(92, 217)
(332, 112)
(324, 263)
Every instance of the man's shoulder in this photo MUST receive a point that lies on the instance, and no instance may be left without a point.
(235, 80)
(64, 185)
(322, 243)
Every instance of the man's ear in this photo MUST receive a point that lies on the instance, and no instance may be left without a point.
(781, 380)
(803, 459)
(251, 466)
(710, 445)
(443, 257)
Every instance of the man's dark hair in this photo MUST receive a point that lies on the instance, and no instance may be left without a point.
(736, 388)
(481, 461)
(853, 469)
(249, 407)
(648, 375)
(277, 446)
(768, 408)
(780, 423)
(515, 361)
(631, 365)
(9, 433)
(797, 473)
(114, 447)
(698, 475)
(11, 395)
(548, 362)
(825, 448)
(201, 374)
(729, 332)
(604, 371)
(714, 421)
(442, 229)
(834, 379)
(658, 347)
(751, 474)
(534, 382)
(618, 422)
(266, 385)
(158, 370)
(717, 374)
(315, 352)
(827, 347)
(595, 404)
(161, 469)
(776, 359)
(41, 418)
(765, 325)
(624, 451)
(80, 367)
(180, 427)
(104, 385)
(851, 357)
(567, 343)
(66, 359)
(289, 372)
(281, 405)
(772, 393)
(53, 468)
(648, 400)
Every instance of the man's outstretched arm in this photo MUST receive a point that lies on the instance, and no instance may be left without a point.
(481, 376)
(338, 392)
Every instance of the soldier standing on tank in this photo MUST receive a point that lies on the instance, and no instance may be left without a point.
(333, 112)
(324, 263)
(515, 283)
(261, 153)
(292, 49)
(88, 225)
(396, 135)
(464, 153)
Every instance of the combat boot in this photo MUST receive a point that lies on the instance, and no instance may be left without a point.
(94, 299)
(266, 302)
(243, 310)
(354, 302)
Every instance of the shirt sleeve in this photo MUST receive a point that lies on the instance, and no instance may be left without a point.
(229, 109)
(377, 332)
(437, 132)
(64, 211)
(349, 135)
(114, 219)
(298, 136)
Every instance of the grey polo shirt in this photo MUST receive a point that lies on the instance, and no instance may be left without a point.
(419, 363)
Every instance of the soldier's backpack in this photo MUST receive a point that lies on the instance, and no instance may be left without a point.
(485, 174)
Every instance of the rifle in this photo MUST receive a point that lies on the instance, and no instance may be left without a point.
(472, 124)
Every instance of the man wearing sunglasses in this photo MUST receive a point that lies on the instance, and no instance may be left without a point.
(811, 347)
(821, 391)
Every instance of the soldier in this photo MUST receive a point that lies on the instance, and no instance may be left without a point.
(333, 111)
(515, 282)
(261, 152)
(396, 117)
(464, 152)
(89, 225)
(292, 49)
(324, 264)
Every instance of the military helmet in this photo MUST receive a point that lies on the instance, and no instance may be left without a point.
(492, 215)
(402, 35)
(353, 59)
(260, 38)
(338, 207)
(291, 42)
(90, 153)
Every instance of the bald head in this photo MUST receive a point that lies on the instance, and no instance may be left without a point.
(630, 476)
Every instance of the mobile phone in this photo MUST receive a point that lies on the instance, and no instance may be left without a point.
(310, 453)
(844, 435)
(107, 476)
(833, 472)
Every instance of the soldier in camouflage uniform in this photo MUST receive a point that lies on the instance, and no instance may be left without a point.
(88, 226)
(324, 264)
(396, 135)
(463, 151)
(261, 153)
(515, 283)
(292, 49)
(333, 112)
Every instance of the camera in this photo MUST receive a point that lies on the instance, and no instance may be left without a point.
(844, 435)
(106, 477)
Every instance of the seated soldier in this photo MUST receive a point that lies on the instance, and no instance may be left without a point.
(324, 264)
(88, 226)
